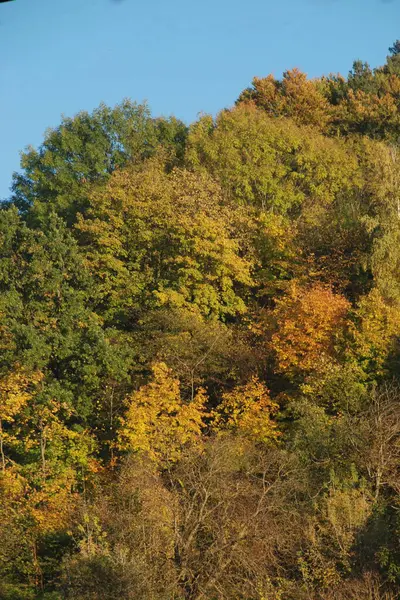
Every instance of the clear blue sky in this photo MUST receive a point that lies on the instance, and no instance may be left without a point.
(182, 56)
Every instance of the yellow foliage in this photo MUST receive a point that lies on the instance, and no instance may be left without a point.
(12, 484)
(168, 239)
(347, 511)
(53, 504)
(247, 409)
(376, 332)
(158, 421)
(15, 392)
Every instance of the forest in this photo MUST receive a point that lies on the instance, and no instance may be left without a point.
(200, 350)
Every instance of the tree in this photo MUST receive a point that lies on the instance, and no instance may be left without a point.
(247, 411)
(85, 150)
(294, 96)
(46, 462)
(337, 387)
(395, 49)
(308, 322)
(201, 352)
(376, 438)
(14, 395)
(392, 65)
(158, 422)
(374, 332)
(361, 77)
(153, 239)
(125, 539)
(269, 163)
(209, 527)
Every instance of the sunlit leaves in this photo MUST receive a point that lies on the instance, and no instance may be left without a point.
(308, 321)
(247, 411)
(375, 333)
(294, 96)
(156, 239)
(269, 163)
(158, 422)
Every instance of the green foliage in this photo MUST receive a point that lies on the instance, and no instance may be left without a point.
(270, 163)
(86, 149)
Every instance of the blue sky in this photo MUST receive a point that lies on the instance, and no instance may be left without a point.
(182, 56)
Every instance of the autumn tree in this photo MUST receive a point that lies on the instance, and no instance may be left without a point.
(375, 334)
(247, 410)
(308, 323)
(294, 96)
(153, 239)
(201, 352)
(14, 395)
(158, 422)
(210, 526)
(125, 538)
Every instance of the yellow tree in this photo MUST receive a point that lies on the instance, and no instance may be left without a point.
(38, 490)
(376, 332)
(15, 392)
(158, 421)
(247, 410)
(164, 239)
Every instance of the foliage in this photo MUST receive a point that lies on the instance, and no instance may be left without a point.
(308, 321)
(247, 410)
(294, 96)
(87, 149)
(270, 163)
(158, 422)
(376, 333)
(158, 239)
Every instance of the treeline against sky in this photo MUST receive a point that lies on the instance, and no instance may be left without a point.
(199, 367)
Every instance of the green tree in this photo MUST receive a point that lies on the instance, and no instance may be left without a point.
(86, 149)
(270, 163)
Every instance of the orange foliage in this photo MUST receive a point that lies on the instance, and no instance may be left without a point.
(308, 321)
(295, 96)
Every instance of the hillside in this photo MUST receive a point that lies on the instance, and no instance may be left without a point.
(200, 350)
